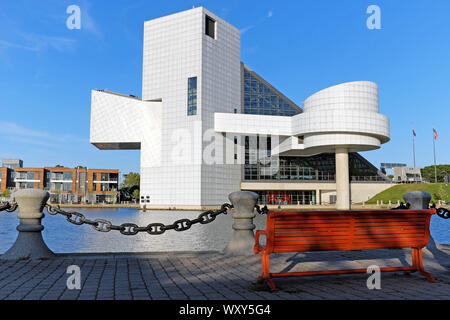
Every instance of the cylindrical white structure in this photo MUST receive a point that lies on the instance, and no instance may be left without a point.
(342, 180)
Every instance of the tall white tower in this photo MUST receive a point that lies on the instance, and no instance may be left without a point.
(192, 64)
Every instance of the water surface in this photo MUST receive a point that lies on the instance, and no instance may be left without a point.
(63, 237)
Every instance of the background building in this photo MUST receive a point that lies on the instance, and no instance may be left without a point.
(65, 185)
(405, 174)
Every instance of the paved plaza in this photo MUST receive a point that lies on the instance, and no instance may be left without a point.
(214, 276)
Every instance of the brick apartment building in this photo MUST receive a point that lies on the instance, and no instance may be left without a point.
(66, 185)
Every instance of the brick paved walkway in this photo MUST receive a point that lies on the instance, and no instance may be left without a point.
(200, 276)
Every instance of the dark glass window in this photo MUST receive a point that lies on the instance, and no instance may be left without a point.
(210, 27)
(260, 99)
(192, 96)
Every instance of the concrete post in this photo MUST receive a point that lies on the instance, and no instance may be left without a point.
(342, 180)
(418, 200)
(243, 238)
(29, 243)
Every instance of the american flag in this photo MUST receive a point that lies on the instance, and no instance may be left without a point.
(435, 135)
(414, 133)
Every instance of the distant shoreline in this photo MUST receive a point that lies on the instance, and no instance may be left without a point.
(97, 205)
(188, 208)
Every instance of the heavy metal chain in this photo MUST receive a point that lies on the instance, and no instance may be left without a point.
(264, 210)
(130, 229)
(402, 206)
(441, 212)
(8, 206)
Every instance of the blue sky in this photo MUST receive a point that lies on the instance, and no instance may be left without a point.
(47, 70)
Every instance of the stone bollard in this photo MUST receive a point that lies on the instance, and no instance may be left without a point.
(243, 238)
(29, 243)
(418, 200)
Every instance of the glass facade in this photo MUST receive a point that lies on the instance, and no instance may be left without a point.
(320, 167)
(260, 98)
(192, 97)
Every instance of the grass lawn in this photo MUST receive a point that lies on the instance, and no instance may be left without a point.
(396, 192)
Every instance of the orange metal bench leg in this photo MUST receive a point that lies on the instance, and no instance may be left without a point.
(266, 273)
(418, 264)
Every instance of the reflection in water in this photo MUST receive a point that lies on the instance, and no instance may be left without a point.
(62, 236)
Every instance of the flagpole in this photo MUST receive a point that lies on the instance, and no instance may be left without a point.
(434, 152)
(414, 152)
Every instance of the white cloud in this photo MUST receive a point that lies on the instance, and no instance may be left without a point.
(17, 133)
(88, 23)
(244, 30)
(262, 20)
(7, 44)
(37, 42)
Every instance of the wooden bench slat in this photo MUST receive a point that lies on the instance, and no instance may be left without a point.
(310, 234)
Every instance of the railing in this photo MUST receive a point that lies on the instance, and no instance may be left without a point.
(292, 173)
(368, 179)
(296, 174)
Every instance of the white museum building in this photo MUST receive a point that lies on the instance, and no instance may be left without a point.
(207, 125)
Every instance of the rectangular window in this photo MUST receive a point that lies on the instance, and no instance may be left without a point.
(192, 96)
(210, 27)
(82, 182)
(67, 176)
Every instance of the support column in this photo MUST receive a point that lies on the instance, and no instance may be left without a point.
(318, 197)
(342, 180)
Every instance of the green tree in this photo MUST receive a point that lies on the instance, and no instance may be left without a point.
(441, 193)
(6, 193)
(442, 170)
(136, 194)
(131, 179)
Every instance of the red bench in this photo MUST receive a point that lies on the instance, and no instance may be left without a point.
(344, 230)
